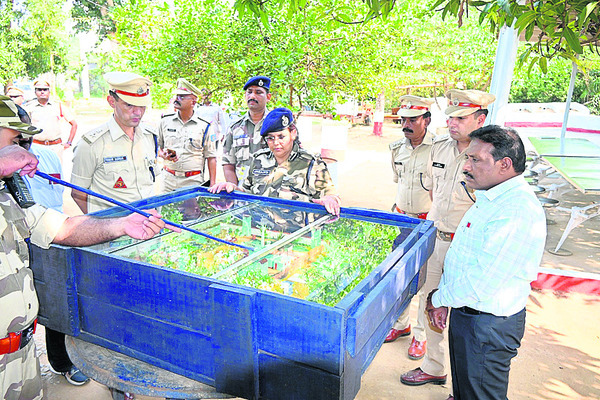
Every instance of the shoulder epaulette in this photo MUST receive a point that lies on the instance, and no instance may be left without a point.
(96, 133)
(149, 129)
(441, 138)
(262, 151)
(396, 144)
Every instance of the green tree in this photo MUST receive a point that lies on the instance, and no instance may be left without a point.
(314, 56)
(31, 38)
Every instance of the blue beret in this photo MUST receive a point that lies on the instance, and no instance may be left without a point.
(262, 81)
(277, 120)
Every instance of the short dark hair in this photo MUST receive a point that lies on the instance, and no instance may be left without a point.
(427, 114)
(506, 142)
(481, 112)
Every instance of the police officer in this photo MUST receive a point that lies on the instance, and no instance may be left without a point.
(243, 136)
(409, 163)
(466, 111)
(19, 365)
(118, 158)
(47, 114)
(185, 141)
(15, 94)
(285, 170)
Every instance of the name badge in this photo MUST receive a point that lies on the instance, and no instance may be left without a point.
(115, 159)
(438, 165)
(260, 172)
(398, 163)
(239, 133)
(243, 141)
(171, 130)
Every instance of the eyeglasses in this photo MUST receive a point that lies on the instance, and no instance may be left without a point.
(41, 89)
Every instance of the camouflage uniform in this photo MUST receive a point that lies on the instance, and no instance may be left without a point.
(19, 371)
(193, 142)
(242, 141)
(302, 177)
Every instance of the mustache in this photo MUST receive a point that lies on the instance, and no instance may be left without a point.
(253, 101)
(407, 130)
(176, 102)
(468, 174)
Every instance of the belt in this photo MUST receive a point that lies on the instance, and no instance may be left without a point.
(445, 236)
(471, 311)
(17, 340)
(187, 174)
(418, 215)
(48, 142)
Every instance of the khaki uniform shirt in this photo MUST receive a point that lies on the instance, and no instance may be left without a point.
(410, 167)
(18, 300)
(48, 118)
(242, 141)
(302, 177)
(107, 161)
(444, 177)
(191, 140)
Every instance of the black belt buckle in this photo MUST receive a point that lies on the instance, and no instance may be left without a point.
(471, 311)
(26, 335)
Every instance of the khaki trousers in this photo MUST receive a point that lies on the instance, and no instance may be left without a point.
(435, 358)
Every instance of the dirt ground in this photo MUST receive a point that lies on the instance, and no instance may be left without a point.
(560, 353)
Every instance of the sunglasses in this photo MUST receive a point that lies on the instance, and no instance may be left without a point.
(41, 89)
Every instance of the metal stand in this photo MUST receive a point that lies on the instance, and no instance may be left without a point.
(578, 216)
(126, 374)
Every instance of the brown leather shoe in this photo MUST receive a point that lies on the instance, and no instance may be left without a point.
(396, 333)
(417, 349)
(417, 377)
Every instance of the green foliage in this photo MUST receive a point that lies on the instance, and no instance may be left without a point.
(94, 16)
(314, 54)
(537, 86)
(553, 28)
(32, 34)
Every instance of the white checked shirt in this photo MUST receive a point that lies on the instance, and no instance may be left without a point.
(496, 252)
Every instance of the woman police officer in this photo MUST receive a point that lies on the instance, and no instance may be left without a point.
(285, 170)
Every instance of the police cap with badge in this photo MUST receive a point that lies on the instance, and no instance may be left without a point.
(132, 88)
(260, 81)
(41, 84)
(465, 102)
(277, 120)
(9, 118)
(413, 106)
(185, 87)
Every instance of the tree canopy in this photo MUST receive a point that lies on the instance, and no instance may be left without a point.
(554, 28)
(313, 56)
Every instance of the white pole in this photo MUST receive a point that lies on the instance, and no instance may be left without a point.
(504, 66)
(567, 109)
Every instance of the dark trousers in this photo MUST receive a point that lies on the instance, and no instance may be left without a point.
(481, 348)
(57, 351)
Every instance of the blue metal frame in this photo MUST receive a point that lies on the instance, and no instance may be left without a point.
(246, 342)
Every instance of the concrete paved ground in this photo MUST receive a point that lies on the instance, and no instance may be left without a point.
(560, 353)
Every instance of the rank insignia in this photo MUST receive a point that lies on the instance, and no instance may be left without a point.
(119, 184)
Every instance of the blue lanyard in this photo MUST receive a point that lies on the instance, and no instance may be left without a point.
(136, 210)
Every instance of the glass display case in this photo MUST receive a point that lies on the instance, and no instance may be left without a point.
(288, 290)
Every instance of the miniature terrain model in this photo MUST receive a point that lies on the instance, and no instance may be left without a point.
(298, 313)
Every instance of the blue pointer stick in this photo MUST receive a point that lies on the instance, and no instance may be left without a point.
(136, 210)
